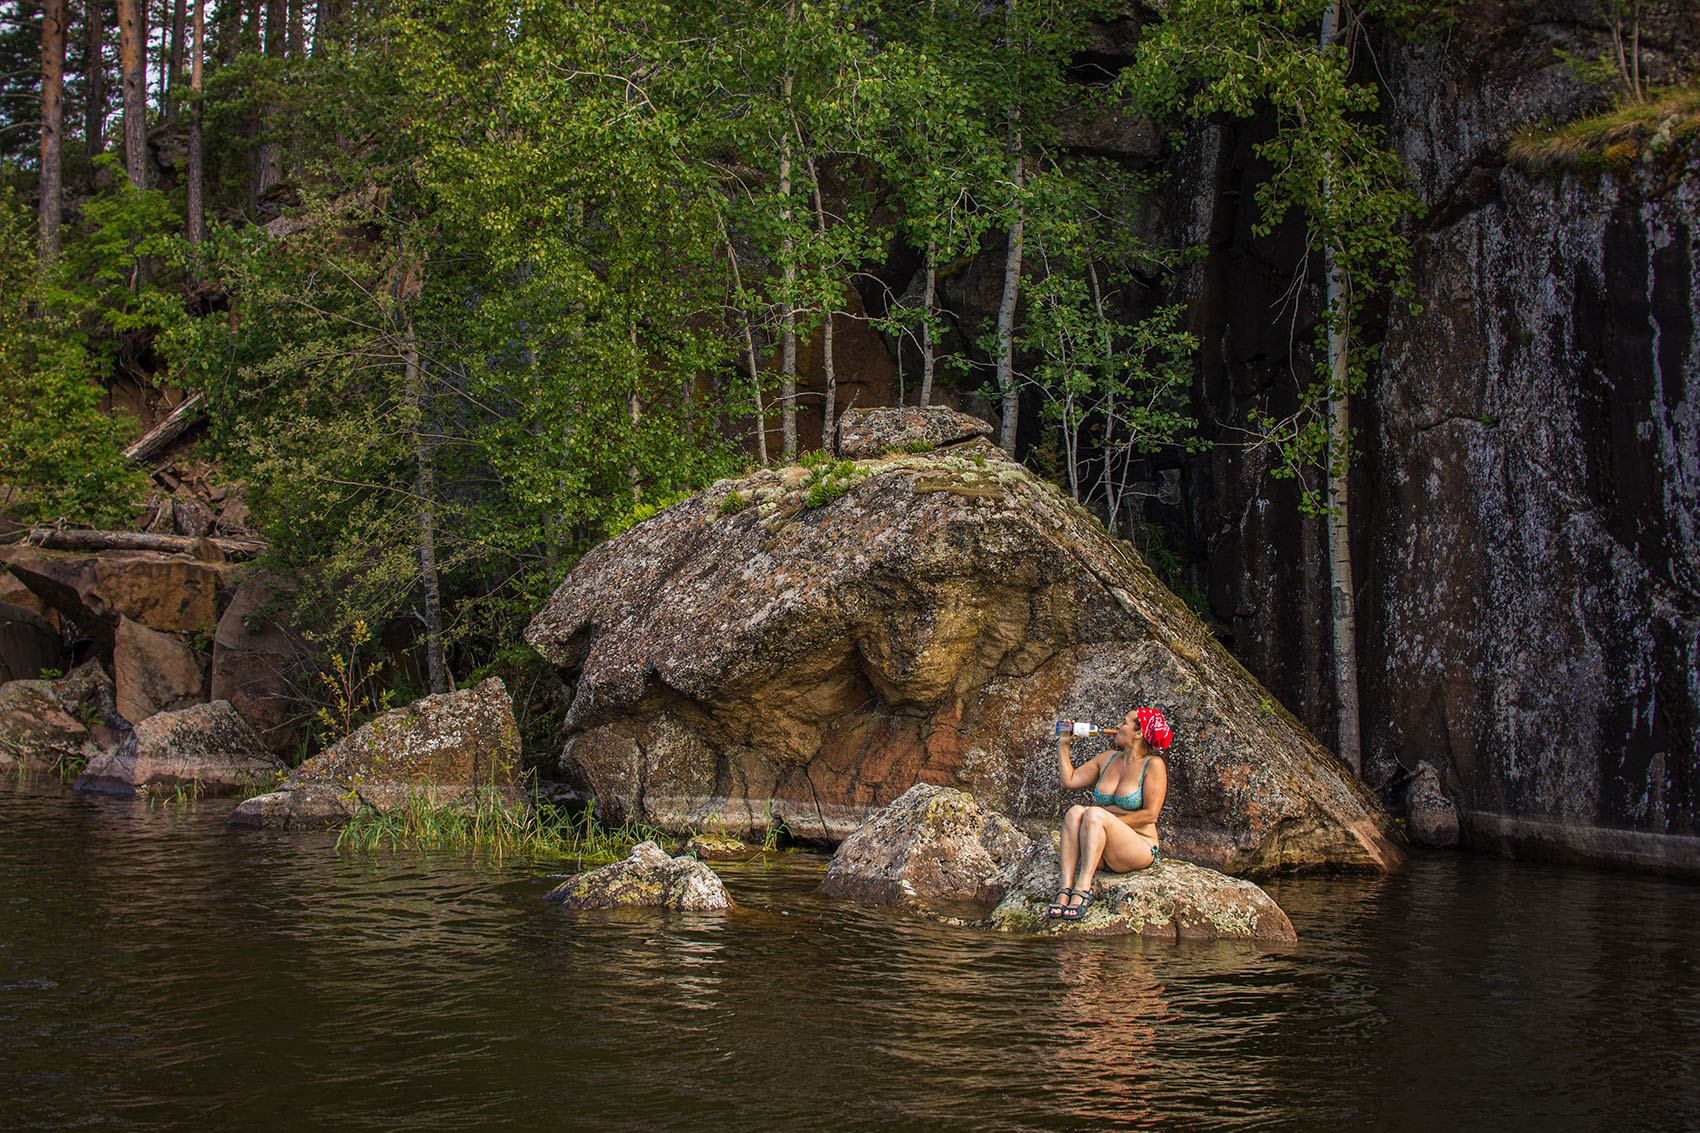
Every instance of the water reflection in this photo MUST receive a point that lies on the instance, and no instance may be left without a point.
(160, 970)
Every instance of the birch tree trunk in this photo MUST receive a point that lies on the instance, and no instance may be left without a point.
(425, 494)
(132, 62)
(1011, 404)
(1342, 593)
(196, 208)
(788, 307)
(52, 126)
(928, 298)
(94, 79)
(829, 404)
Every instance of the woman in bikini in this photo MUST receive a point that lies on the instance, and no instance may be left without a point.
(1128, 785)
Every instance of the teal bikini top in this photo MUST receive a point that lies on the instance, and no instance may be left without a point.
(1126, 802)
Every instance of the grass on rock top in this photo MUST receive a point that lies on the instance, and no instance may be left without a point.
(1613, 139)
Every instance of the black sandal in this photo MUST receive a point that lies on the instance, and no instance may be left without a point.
(1075, 912)
(1055, 912)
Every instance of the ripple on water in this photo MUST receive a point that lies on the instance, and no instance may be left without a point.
(161, 970)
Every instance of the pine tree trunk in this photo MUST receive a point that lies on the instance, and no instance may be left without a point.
(94, 79)
(297, 29)
(132, 44)
(196, 208)
(927, 301)
(425, 493)
(53, 15)
(174, 76)
(270, 168)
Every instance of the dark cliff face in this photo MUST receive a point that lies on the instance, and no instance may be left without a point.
(1527, 498)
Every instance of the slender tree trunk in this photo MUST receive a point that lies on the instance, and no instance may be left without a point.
(270, 169)
(196, 208)
(53, 16)
(927, 300)
(174, 76)
(750, 348)
(425, 493)
(1011, 407)
(635, 410)
(1342, 593)
(829, 405)
(788, 306)
(132, 44)
(297, 29)
(94, 79)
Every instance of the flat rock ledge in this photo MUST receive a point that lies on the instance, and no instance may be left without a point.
(208, 748)
(648, 879)
(1174, 901)
(456, 751)
(931, 843)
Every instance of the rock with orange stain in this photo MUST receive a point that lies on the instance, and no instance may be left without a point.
(768, 654)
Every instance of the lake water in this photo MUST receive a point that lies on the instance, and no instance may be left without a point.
(160, 970)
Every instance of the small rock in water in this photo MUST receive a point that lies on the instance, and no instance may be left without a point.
(1430, 818)
(1175, 901)
(208, 748)
(647, 879)
(931, 843)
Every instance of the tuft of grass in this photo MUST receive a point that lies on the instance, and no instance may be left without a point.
(492, 824)
(829, 480)
(1611, 140)
(733, 503)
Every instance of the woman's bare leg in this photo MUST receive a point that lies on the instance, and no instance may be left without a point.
(1107, 841)
(1070, 848)
(1092, 839)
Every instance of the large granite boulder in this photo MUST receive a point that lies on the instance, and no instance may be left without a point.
(1430, 818)
(58, 726)
(29, 644)
(647, 879)
(155, 672)
(1173, 900)
(456, 750)
(801, 646)
(257, 663)
(207, 748)
(931, 844)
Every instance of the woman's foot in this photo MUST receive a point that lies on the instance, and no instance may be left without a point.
(1061, 903)
(1077, 910)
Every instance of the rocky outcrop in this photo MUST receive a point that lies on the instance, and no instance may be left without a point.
(647, 879)
(257, 663)
(802, 647)
(208, 749)
(168, 593)
(931, 844)
(457, 750)
(1175, 901)
(155, 672)
(57, 726)
(29, 644)
(1430, 818)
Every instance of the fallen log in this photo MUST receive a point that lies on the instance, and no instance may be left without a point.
(157, 439)
(77, 540)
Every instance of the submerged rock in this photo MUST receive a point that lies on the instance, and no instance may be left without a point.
(1430, 818)
(720, 848)
(207, 748)
(931, 843)
(57, 726)
(1174, 900)
(456, 750)
(799, 647)
(647, 879)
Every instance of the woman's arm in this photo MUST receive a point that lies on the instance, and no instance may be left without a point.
(1156, 790)
(1084, 775)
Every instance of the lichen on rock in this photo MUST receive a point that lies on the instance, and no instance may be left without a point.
(930, 844)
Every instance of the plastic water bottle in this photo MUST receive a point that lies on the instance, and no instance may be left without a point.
(1082, 728)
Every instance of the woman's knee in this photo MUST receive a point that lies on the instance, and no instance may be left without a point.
(1072, 818)
(1094, 818)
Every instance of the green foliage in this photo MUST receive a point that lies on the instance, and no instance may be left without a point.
(733, 503)
(61, 454)
(829, 480)
(1663, 129)
(348, 687)
(644, 511)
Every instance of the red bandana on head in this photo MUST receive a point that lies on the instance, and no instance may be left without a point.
(1154, 728)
